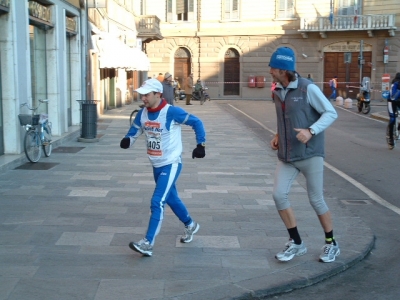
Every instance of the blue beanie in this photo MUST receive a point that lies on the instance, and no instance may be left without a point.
(283, 58)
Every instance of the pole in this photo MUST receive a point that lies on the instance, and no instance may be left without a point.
(361, 60)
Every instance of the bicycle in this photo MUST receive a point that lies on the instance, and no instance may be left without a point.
(38, 133)
(133, 114)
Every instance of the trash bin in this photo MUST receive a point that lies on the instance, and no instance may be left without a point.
(88, 118)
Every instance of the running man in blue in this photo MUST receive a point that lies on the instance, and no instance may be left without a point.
(161, 124)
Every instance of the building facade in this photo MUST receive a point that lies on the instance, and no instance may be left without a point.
(40, 58)
(67, 51)
(116, 61)
(228, 43)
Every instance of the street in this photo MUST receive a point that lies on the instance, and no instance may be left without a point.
(356, 147)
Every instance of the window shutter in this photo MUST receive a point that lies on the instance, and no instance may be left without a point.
(169, 6)
(180, 6)
(191, 5)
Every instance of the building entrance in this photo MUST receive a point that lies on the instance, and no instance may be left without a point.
(341, 60)
(232, 73)
(182, 66)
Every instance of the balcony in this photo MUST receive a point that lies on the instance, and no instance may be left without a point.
(367, 23)
(149, 28)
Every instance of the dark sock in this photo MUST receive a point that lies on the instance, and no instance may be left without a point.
(294, 235)
(329, 238)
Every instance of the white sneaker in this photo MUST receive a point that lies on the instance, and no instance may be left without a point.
(143, 246)
(189, 232)
(329, 252)
(291, 250)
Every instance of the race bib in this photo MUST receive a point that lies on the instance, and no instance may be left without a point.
(153, 135)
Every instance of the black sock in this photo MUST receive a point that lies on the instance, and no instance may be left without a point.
(294, 235)
(329, 238)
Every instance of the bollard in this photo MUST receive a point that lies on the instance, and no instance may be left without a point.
(339, 101)
(348, 103)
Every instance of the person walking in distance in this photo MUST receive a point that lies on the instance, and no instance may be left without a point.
(392, 106)
(189, 88)
(161, 124)
(333, 86)
(168, 89)
(303, 113)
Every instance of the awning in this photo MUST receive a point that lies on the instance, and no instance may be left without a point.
(114, 54)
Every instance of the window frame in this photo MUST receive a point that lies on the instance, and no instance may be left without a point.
(188, 15)
(287, 14)
(350, 7)
(231, 11)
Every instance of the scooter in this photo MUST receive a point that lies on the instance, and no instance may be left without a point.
(364, 97)
(201, 95)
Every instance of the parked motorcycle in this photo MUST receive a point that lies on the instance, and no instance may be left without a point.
(364, 97)
(180, 95)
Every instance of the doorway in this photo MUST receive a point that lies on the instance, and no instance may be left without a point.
(231, 72)
(344, 65)
(182, 65)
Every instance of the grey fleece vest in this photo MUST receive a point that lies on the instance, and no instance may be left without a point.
(296, 112)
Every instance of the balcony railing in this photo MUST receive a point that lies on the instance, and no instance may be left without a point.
(367, 23)
(149, 28)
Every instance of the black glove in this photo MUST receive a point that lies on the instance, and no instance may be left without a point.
(199, 151)
(125, 143)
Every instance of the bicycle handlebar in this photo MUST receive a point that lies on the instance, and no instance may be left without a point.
(34, 108)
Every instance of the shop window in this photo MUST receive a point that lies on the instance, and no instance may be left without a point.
(285, 9)
(37, 38)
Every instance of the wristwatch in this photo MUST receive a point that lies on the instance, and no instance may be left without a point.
(203, 144)
(311, 131)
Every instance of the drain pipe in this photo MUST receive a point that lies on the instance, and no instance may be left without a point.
(198, 37)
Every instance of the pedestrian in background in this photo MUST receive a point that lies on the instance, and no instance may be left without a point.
(392, 106)
(303, 113)
(177, 89)
(189, 88)
(309, 78)
(168, 89)
(160, 77)
(333, 86)
(161, 124)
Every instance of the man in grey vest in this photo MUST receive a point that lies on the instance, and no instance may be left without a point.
(303, 113)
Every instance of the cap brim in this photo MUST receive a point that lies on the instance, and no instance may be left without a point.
(143, 90)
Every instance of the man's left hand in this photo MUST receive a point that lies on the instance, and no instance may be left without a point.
(303, 135)
(199, 151)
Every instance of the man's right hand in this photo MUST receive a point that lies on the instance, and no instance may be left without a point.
(274, 143)
(125, 143)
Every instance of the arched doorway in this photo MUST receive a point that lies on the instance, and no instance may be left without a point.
(182, 66)
(231, 72)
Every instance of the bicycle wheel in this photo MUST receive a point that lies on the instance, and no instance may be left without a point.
(47, 145)
(32, 146)
(132, 117)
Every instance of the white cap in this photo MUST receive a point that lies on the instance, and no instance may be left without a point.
(150, 85)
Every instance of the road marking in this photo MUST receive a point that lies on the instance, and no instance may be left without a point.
(354, 182)
(364, 189)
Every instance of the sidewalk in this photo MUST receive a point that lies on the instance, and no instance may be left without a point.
(66, 222)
